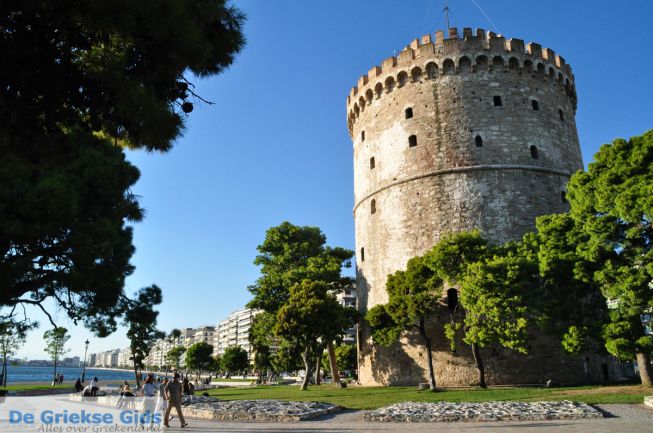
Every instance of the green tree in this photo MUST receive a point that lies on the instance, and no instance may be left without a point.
(450, 259)
(81, 81)
(140, 319)
(12, 337)
(566, 300)
(413, 297)
(55, 340)
(234, 360)
(345, 358)
(291, 254)
(173, 356)
(198, 357)
(260, 339)
(215, 364)
(288, 357)
(310, 316)
(612, 204)
(494, 294)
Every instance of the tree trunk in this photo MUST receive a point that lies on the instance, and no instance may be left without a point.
(138, 382)
(4, 371)
(318, 365)
(429, 355)
(54, 375)
(307, 367)
(333, 363)
(476, 351)
(645, 371)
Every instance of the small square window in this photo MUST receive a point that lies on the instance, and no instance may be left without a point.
(412, 141)
(497, 101)
(409, 113)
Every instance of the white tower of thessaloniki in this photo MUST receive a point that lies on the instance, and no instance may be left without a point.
(453, 134)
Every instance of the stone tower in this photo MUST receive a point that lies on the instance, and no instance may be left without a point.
(453, 134)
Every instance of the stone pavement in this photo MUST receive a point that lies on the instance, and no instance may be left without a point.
(619, 419)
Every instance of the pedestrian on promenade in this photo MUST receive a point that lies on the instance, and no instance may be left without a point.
(173, 395)
(60, 379)
(161, 401)
(94, 386)
(148, 391)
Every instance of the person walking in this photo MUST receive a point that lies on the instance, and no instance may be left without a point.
(161, 401)
(148, 390)
(78, 385)
(173, 395)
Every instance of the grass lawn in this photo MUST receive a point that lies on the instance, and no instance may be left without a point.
(356, 397)
(32, 387)
(233, 379)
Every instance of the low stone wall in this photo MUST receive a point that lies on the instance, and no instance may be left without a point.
(207, 408)
(487, 411)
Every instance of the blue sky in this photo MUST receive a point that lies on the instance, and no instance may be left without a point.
(275, 145)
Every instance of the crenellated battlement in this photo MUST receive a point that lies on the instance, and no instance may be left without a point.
(434, 56)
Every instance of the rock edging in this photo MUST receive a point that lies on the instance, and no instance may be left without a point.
(482, 412)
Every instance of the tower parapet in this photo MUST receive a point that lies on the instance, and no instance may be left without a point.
(467, 53)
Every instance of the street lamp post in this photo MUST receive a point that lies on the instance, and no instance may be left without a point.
(85, 350)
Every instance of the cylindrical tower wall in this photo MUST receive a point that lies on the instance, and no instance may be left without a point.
(450, 135)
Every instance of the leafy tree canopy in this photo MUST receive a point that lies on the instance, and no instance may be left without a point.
(310, 316)
(291, 254)
(113, 68)
(141, 319)
(199, 356)
(613, 206)
(173, 356)
(234, 360)
(413, 297)
(81, 81)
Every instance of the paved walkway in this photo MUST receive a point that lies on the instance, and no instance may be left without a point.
(620, 419)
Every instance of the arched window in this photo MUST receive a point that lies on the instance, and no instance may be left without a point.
(535, 105)
(481, 63)
(372, 163)
(563, 197)
(373, 206)
(378, 90)
(452, 299)
(513, 63)
(479, 141)
(409, 113)
(389, 84)
(416, 73)
(432, 70)
(362, 254)
(369, 95)
(561, 114)
(412, 141)
(402, 79)
(534, 152)
(497, 101)
(465, 64)
(362, 135)
(528, 65)
(449, 67)
(497, 63)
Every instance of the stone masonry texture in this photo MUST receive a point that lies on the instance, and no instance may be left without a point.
(469, 131)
